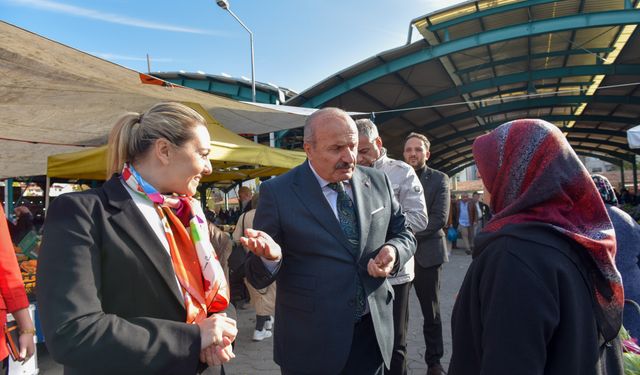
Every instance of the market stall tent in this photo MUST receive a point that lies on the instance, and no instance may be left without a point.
(55, 99)
(233, 158)
(633, 137)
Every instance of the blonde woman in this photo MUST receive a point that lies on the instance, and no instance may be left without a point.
(127, 279)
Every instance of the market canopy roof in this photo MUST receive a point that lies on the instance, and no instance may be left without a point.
(55, 99)
(233, 158)
(575, 63)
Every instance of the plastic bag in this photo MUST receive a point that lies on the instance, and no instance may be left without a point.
(452, 234)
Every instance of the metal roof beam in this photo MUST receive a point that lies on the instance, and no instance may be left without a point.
(461, 168)
(441, 162)
(535, 56)
(583, 85)
(622, 146)
(485, 13)
(546, 26)
(555, 101)
(584, 70)
(469, 161)
(552, 119)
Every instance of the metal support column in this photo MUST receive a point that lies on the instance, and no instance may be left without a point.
(8, 196)
(47, 194)
(621, 175)
(203, 196)
(635, 175)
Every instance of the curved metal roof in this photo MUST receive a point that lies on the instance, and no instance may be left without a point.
(234, 88)
(575, 63)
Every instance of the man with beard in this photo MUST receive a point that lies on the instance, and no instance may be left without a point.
(408, 191)
(330, 233)
(432, 247)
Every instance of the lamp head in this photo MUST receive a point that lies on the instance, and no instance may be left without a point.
(224, 4)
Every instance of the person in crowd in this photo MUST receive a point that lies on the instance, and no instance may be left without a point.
(13, 300)
(262, 300)
(244, 198)
(331, 233)
(475, 203)
(485, 213)
(467, 219)
(452, 222)
(23, 224)
(542, 294)
(432, 247)
(627, 254)
(240, 294)
(128, 281)
(221, 242)
(625, 196)
(407, 190)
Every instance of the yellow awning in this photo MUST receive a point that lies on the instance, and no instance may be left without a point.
(232, 157)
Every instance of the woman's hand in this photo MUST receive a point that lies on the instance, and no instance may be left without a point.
(27, 346)
(216, 330)
(215, 355)
(25, 325)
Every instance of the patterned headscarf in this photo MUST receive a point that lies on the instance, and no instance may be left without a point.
(534, 175)
(605, 189)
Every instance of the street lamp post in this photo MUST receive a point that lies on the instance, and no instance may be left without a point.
(224, 4)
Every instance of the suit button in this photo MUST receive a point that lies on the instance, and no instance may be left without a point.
(351, 303)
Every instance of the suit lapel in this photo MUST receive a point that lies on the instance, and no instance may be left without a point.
(309, 192)
(129, 219)
(361, 187)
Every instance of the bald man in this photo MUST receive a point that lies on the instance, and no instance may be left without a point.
(330, 233)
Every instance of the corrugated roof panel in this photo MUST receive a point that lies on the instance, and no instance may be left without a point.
(460, 31)
(498, 21)
(602, 5)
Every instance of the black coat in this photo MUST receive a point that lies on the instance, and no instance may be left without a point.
(432, 244)
(316, 279)
(107, 294)
(526, 307)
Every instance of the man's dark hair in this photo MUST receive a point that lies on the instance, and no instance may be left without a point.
(421, 137)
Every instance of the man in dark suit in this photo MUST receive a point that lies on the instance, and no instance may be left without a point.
(432, 247)
(330, 233)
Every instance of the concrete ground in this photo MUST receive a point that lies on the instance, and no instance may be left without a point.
(257, 357)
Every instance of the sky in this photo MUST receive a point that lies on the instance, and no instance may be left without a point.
(297, 43)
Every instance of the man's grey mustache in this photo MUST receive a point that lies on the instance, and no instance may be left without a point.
(342, 165)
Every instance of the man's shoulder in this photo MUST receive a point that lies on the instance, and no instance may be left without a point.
(371, 172)
(395, 163)
(284, 179)
(437, 172)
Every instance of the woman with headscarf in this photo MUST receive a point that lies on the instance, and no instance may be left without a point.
(542, 295)
(628, 253)
(128, 282)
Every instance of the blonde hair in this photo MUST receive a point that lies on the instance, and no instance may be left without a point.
(134, 133)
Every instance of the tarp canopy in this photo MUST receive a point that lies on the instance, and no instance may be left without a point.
(633, 136)
(55, 99)
(232, 157)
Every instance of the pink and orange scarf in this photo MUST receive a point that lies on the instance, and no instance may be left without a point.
(194, 261)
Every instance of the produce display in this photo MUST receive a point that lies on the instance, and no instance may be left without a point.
(28, 265)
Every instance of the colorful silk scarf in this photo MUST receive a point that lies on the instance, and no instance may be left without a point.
(534, 175)
(605, 189)
(194, 261)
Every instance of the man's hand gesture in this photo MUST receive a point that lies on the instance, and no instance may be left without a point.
(261, 244)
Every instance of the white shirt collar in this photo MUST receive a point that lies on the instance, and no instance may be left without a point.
(323, 183)
(321, 180)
